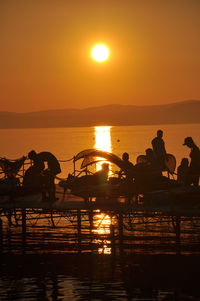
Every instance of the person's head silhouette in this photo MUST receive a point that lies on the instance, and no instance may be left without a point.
(189, 142)
(159, 133)
(32, 154)
(125, 156)
(185, 162)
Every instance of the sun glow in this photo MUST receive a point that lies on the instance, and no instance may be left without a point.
(100, 53)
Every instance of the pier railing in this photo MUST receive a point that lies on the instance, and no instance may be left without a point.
(110, 231)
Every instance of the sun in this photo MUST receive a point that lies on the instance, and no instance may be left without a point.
(100, 53)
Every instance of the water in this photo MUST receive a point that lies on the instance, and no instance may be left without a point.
(53, 268)
(66, 142)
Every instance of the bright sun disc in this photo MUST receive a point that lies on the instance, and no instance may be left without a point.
(100, 53)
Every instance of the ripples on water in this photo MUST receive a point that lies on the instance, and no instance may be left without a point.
(86, 277)
(55, 264)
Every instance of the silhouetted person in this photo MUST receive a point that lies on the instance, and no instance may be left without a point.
(128, 180)
(159, 150)
(150, 156)
(50, 173)
(102, 174)
(125, 158)
(194, 168)
(128, 166)
(182, 171)
(32, 180)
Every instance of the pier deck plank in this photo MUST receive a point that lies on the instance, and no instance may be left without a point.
(72, 202)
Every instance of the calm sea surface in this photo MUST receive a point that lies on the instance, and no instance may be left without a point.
(64, 143)
(59, 272)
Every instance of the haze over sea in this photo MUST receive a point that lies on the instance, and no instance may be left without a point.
(64, 143)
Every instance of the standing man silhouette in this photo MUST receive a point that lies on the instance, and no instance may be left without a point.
(159, 150)
(194, 168)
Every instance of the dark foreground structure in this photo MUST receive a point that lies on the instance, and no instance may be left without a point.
(100, 226)
(107, 248)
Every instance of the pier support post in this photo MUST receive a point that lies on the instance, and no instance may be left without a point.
(24, 229)
(178, 234)
(112, 239)
(120, 225)
(176, 222)
(90, 213)
(91, 220)
(79, 229)
(1, 236)
(9, 217)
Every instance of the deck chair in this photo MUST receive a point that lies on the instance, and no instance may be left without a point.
(11, 168)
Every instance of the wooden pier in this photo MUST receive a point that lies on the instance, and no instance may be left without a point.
(109, 225)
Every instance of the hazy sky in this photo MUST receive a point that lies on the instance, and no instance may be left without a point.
(45, 60)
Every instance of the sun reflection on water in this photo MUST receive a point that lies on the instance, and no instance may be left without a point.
(102, 138)
(102, 227)
(102, 141)
(103, 221)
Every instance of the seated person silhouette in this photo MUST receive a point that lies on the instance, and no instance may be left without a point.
(150, 156)
(125, 158)
(182, 171)
(32, 180)
(194, 167)
(101, 176)
(128, 166)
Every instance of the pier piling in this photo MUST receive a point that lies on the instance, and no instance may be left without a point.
(79, 229)
(1, 236)
(120, 225)
(24, 229)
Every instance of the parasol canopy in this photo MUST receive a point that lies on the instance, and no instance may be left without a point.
(170, 162)
(90, 156)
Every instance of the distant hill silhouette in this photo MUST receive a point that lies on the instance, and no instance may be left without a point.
(180, 112)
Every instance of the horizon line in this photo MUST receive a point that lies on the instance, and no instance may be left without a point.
(102, 106)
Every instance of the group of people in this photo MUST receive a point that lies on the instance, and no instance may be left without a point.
(187, 173)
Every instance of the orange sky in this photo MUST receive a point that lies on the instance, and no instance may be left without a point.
(45, 53)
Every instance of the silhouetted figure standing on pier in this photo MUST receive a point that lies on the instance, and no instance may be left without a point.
(159, 150)
(50, 173)
(194, 168)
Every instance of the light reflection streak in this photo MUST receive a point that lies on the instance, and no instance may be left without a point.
(102, 222)
(101, 225)
(102, 141)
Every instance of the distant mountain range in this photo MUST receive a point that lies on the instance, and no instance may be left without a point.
(180, 112)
